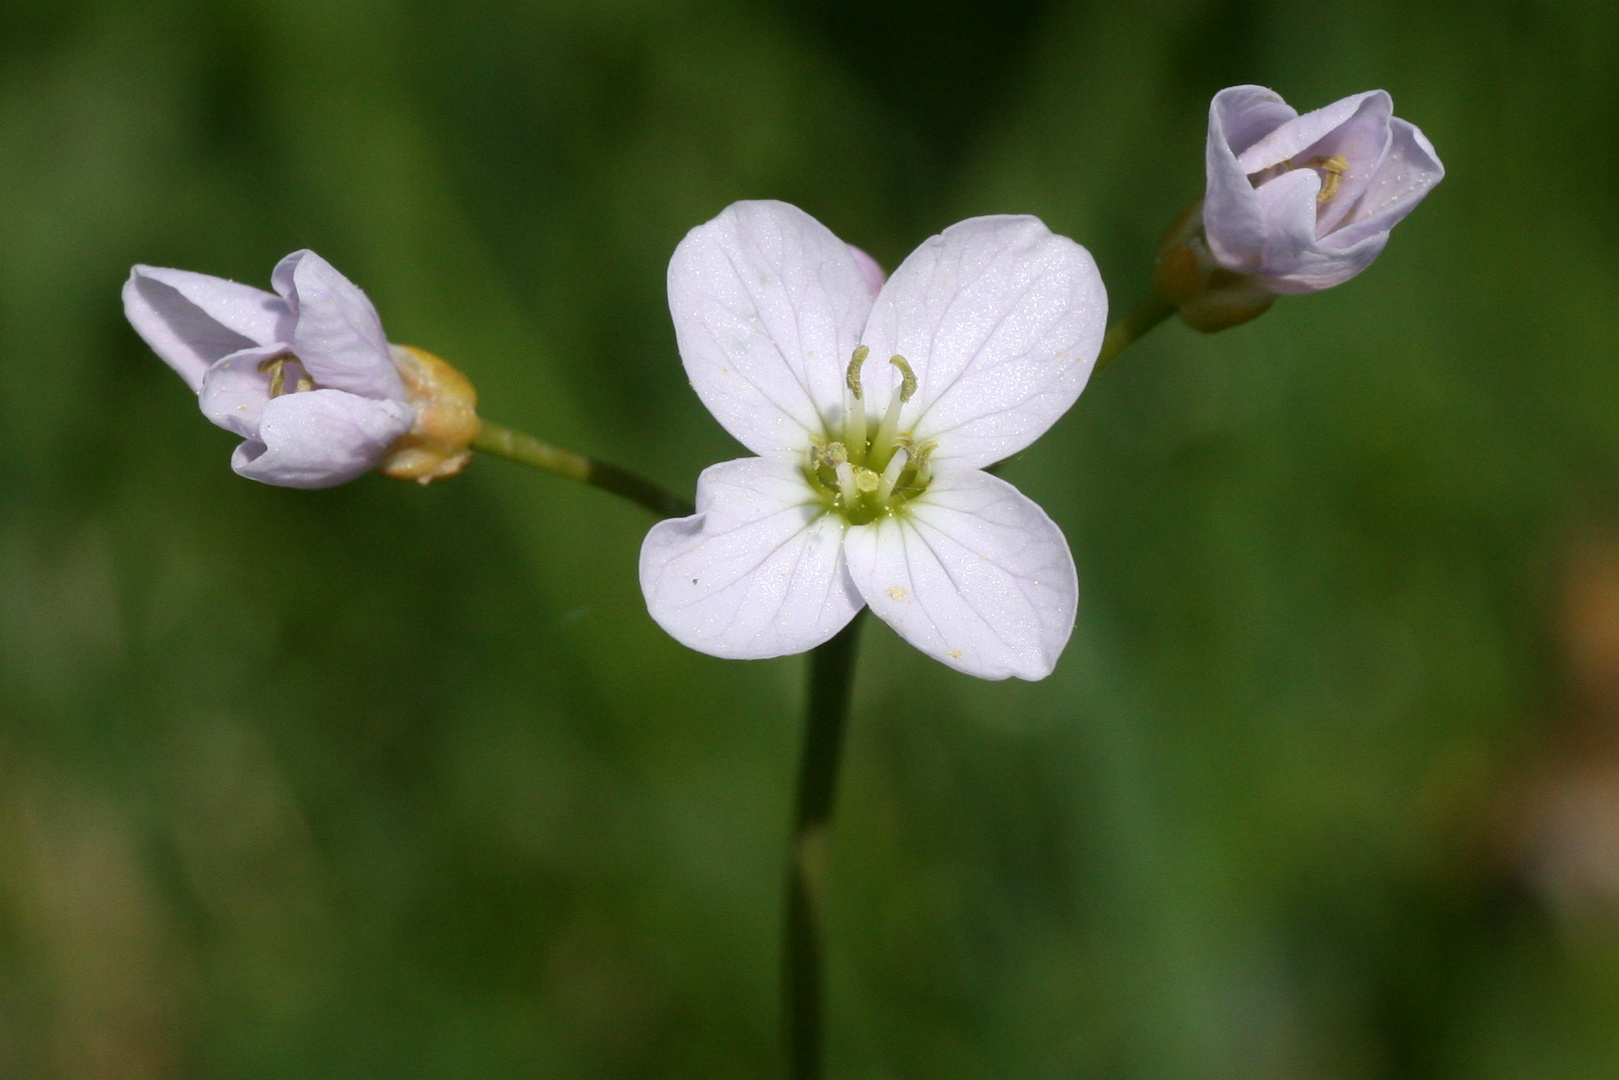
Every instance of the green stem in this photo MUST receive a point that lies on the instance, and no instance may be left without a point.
(506, 443)
(831, 683)
(1130, 329)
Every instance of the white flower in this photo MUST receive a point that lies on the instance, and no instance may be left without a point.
(304, 375)
(868, 487)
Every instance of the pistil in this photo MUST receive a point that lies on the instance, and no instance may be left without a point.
(846, 484)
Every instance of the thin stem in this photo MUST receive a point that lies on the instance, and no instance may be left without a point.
(831, 681)
(1132, 328)
(506, 443)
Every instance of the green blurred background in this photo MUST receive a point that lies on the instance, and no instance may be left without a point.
(396, 782)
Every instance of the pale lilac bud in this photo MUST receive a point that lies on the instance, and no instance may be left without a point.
(1302, 203)
(304, 375)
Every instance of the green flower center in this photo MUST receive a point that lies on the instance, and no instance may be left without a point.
(863, 473)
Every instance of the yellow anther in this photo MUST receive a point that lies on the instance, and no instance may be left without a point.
(867, 481)
(907, 388)
(1334, 167)
(854, 417)
(836, 454)
(853, 378)
(276, 366)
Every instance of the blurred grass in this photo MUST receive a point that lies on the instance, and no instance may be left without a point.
(399, 782)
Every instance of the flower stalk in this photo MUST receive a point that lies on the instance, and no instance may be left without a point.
(825, 721)
(1132, 328)
(516, 446)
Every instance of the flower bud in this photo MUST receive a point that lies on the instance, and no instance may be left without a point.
(305, 375)
(1303, 203)
(1294, 204)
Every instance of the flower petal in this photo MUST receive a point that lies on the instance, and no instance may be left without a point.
(320, 438)
(1001, 320)
(1288, 203)
(975, 575)
(1233, 220)
(1362, 141)
(192, 320)
(1408, 172)
(1299, 134)
(236, 389)
(338, 335)
(870, 269)
(1246, 114)
(768, 306)
(1295, 261)
(757, 572)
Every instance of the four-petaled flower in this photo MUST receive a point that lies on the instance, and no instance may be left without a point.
(873, 418)
(1302, 203)
(305, 375)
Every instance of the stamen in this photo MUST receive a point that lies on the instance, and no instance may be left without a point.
(896, 465)
(1335, 167)
(836, 454)
(854, 416)
(853, 377)
(276, 366)
(867, 481)
(883, 442)
(907, 386)
(846, 486)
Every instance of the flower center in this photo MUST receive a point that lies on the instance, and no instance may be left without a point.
(277, 367)
(862, 472)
